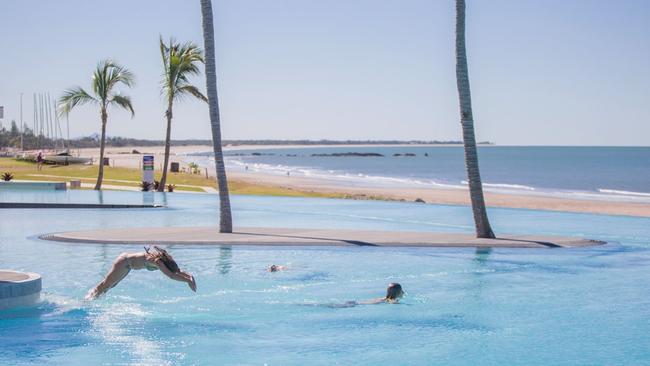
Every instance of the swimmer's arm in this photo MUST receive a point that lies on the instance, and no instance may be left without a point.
(373, 301)
(177, 276)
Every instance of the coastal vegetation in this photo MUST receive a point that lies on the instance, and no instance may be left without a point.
(107, 76)
(225, 216)
(481, 222)
(180, 61)
(10, 138)
(15, 138)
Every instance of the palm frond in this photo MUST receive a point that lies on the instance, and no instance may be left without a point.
(74, 97)
(99, 82)
(191, 90)
(124, 102)
(164, 52)
(180, 62)
(118, 74)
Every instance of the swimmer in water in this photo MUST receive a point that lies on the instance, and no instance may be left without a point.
(394, 292)
(155, 259)
(275, 268)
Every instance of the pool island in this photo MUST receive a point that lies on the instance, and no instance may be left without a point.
(207, 235)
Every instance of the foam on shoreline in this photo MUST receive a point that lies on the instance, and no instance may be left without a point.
(343, 179)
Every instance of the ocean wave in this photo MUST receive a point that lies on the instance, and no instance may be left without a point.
(360, 179)
(504, 185)
(623, 193)
(333, 175)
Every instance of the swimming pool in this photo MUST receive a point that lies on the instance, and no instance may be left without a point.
(509, 306)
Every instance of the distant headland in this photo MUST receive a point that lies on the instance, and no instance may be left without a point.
(10, 138)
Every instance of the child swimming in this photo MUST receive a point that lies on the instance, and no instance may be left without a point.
(125, 262)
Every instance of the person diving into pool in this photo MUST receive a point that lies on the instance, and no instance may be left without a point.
(152, 260)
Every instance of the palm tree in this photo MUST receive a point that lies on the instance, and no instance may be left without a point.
(179, 62)
(225, 220)
(483, 229)
(105, 78)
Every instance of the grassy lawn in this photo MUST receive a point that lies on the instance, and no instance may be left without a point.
(23, 170)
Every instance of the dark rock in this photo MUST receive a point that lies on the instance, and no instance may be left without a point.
(351, 154)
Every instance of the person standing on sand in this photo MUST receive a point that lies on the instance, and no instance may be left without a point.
(39, 161)
(125, 262)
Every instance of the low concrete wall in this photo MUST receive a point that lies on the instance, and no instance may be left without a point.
(19, 288)
(71, 205)
(33, 185)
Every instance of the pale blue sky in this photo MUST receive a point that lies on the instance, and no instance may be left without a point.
(543, 72)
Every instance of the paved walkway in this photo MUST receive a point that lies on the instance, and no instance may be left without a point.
(308, 237)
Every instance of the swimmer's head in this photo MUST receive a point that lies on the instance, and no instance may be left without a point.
(164, 257)
(273, 268)
(394, 291)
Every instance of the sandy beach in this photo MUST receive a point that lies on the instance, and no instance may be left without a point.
(123, 157)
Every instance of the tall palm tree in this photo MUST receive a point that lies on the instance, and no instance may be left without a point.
(104, 81)
(483, 229)
(179, 62)
(225, 219)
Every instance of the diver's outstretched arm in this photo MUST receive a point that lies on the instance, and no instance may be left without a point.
(117, 273)
(178, 276)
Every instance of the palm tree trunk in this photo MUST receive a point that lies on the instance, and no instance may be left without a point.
(168, 114)
(483, 229)
(225, 219)
(102, 145)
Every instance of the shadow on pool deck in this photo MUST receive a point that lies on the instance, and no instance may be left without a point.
(352, 242)
(544, 243)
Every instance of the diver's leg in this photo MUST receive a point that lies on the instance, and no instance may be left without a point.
(117, 273)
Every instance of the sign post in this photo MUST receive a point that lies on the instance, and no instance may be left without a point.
(147, 169)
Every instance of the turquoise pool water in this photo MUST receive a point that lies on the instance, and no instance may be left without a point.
(588, 306)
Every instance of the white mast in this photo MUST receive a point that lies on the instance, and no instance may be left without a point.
(22, 126)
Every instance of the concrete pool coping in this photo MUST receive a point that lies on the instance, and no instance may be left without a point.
(18, 288)
(309, 237)
(72, 205)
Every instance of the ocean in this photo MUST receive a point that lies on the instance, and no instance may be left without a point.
(618, 173)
